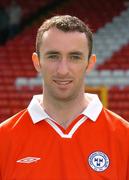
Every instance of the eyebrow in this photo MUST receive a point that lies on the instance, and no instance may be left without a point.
(76, 53)
(71, 53)
(51, 52)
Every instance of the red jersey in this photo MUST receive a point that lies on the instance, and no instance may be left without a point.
(95, 146)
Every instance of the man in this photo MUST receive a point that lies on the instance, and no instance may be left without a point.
(15, 12)
(3, 26)
(64, 134)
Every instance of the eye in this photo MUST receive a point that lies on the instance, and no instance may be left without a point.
(75, 57)
(53, 57)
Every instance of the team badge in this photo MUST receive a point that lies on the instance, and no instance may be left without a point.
(98, 161)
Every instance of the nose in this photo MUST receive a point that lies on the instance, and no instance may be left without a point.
(63, 68)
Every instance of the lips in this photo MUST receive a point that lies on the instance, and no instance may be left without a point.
(62, 82)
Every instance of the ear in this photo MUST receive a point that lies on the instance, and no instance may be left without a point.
(91, 63)
(36, 61)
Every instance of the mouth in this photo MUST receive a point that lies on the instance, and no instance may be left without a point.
(62, 82)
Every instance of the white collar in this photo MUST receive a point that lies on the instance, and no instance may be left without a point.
(38, 114)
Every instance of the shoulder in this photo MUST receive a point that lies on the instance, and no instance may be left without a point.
(114, 122)
(115, 118)
(13, 121)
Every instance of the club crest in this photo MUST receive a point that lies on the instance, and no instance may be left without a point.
(98, 161)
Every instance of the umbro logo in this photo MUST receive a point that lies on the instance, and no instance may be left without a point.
(28, 160)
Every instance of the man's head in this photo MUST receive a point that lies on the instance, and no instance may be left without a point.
(64, 23)
(63, 58)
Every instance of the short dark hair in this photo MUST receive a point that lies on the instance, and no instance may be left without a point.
(65, 23)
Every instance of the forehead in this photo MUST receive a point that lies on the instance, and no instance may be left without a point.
(59, 40)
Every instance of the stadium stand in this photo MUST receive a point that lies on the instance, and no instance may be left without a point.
(118, 61)
(19, 81)
(29, 7)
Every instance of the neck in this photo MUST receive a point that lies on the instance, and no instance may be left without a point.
(64, 111)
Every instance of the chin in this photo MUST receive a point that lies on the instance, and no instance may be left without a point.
(64, 97)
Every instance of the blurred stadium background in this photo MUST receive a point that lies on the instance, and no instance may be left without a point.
(109, 21)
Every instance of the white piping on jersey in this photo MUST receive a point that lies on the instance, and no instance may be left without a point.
(70, 134)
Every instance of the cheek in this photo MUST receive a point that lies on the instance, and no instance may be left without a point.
(81, 71)
(47, 71)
